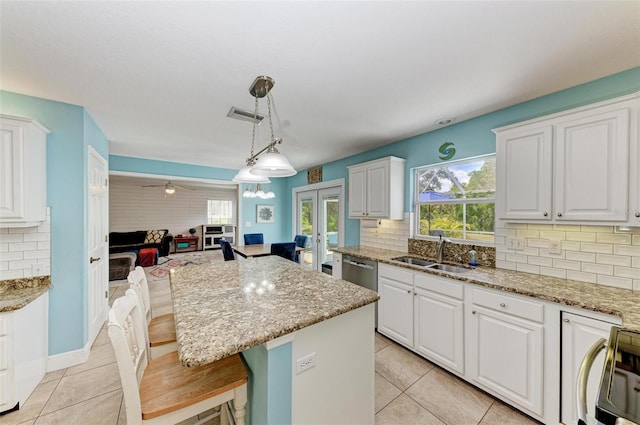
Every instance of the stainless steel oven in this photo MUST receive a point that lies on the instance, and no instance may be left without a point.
(619, 395)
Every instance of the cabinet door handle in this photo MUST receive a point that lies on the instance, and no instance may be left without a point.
(503, 305)
(473, 312)
(565, 320)
(409, 291)
(545, 214)
(559, 214)
(94, 259)
(638, 214)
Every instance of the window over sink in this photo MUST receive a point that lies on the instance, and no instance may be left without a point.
(456, 200)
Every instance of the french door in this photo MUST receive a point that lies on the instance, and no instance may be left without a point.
(320, 217)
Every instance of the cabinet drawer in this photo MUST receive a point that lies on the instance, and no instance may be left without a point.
(508, 304)
(440, 285)
(395, 273)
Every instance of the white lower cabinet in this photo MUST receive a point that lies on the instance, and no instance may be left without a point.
(439, 320)
(395, 308)
(579, 333)
(510, 345)
(506, 348)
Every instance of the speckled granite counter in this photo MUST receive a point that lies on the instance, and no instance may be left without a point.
(624, 303)
(224, 308)
(17, 293)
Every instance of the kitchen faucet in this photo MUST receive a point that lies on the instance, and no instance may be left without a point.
(441, 248)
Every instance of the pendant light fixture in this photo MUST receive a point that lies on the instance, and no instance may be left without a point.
(272, 163)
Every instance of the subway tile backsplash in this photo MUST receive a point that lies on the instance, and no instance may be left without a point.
(25, 251)
(390, 234)
(595, 254)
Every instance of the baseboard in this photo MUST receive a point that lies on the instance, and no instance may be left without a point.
(68, 359)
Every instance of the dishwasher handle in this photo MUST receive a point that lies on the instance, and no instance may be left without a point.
(583, 377)
(357, 264)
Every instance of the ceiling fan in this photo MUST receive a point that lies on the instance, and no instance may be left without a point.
(169, 187)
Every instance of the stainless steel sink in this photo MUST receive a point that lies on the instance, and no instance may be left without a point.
(414, 261)
(448, 268)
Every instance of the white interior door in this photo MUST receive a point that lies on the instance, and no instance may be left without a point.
(319, 216)
(98, 227)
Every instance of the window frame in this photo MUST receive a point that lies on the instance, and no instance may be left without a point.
(460, 201)
(231, 217)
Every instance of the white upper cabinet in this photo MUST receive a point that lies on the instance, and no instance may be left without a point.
(376, 189)
(579, 166)
(23, 172)
(524, 172)
(591, 167)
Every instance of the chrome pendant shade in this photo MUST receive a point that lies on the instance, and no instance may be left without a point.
(267, 162)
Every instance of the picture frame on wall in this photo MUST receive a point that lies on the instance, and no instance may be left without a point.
(265, 214)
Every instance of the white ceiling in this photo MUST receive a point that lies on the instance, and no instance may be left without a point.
(159, 77)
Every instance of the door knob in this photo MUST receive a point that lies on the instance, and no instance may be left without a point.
(94, 259)
(559, 214)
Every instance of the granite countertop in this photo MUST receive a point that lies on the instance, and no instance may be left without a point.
(623, 303)
(224, 308)
(17, 293)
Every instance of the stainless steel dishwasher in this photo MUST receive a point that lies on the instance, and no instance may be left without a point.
(361, 272)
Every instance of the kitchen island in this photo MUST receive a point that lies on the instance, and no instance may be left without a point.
(307, 338)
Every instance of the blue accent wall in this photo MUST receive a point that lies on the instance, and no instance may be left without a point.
(472, 137)
(72, 129)
(270, 381)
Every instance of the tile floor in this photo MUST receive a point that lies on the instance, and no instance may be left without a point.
(409, 389)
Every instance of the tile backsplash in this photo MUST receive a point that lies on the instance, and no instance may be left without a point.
(595, 254)
(25, 251)
(390, 234)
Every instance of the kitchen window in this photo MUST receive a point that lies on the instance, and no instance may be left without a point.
(219, 211)
(457, 200)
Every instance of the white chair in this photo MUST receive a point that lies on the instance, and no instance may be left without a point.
(162, 391)
(161, 330)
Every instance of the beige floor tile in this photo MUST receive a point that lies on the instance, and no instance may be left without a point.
(385, 392)
(381, 342)
(117, 290)
(100, 355)
(29, 422)
(403, 411)
(400, 366)
(501, 414)
(83, 386)
(452, 400)
(53, 376)
(122, 417)
(33, 406)
(103, 337)
(101, 410)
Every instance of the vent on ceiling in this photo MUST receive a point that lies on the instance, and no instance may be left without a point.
(244, 115)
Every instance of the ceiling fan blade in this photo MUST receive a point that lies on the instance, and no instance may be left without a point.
(183, 188)
(153, 185)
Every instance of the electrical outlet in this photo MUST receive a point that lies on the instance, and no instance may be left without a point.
(554, 247)
(247, 224)
(515, 243)
(305, 363)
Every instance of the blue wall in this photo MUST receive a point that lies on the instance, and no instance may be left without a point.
(471, 138)
(72, 130)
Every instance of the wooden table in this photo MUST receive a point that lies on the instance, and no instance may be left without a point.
(191, 241)
(258, 250)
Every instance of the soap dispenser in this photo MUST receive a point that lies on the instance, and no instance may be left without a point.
(473, 256)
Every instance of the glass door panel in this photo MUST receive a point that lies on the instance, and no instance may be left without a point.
(318, 217)
(306, 224)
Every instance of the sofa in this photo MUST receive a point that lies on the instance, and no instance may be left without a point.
(139, 239)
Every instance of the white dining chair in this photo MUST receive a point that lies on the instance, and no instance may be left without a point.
(161, 390)
(161, 330)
